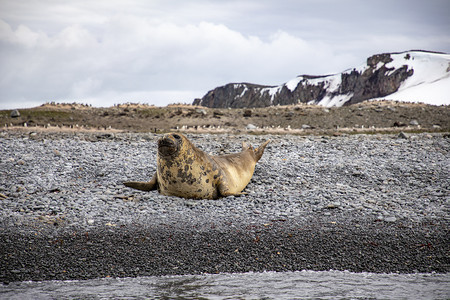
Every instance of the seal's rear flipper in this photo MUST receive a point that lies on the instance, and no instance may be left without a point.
(260, 150)
(246, 146)
(143, 185)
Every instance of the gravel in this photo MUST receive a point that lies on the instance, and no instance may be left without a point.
(376, 203)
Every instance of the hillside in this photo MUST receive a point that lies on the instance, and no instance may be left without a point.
(413, 76)
(373, 116)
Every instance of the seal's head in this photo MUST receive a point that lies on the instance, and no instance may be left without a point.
(171, 144)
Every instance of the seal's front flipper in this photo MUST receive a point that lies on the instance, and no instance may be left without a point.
(140, 185)
(143, 185)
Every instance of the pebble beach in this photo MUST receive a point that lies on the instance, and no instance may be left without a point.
(363, 203)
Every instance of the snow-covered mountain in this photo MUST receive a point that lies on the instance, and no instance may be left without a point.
(412, 76)
(430, 82)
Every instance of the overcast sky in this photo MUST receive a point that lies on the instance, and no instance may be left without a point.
(161, 52)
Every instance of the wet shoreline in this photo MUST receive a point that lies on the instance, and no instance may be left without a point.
(130, 251)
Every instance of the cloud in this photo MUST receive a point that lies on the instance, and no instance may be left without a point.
(160, 52)
(134, 55)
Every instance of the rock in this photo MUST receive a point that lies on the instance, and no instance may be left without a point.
(200, 111)
(414, 123)
(105, 136)
(197, 101)
(217, 114)
(290, 115)
(390, 219)
(191, 203)
(402, 135)
(333, 205)
(251, 127)
(377, 80)
(15, 114)
(399, 124)
(305, 126)
(247, 113)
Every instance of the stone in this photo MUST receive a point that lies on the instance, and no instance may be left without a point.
(247, 113)
(251, 127)
(414, 123)
(390, 219)
(191, 203)
(200, 111)
(399, 124)
(333, 205)
(402, 135)
(15, 114)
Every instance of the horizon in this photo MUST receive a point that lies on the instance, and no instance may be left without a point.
(147, 105)
(110, 104)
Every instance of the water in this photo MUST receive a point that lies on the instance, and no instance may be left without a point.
(269, 285)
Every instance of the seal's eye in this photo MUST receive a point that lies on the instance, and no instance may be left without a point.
(177, 137)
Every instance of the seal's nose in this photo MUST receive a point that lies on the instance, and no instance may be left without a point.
(166, 141)
(168, 145)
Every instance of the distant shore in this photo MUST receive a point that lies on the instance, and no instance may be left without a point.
(367, 117)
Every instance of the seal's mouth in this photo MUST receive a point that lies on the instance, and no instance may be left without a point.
(167, 146)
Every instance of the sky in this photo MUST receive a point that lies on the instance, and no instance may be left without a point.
(161, 51)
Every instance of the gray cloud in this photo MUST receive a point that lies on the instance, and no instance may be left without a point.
(106, 52)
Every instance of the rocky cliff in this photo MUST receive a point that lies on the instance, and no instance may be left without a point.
(382, 75)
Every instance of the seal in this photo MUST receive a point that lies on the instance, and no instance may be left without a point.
(185, 171)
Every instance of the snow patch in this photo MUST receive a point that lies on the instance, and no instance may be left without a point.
(243, 92)
(272, 92)
(292, 84)
(337, 100)
(435, 93)
(430, 82)
(239, 85)
(379, 65)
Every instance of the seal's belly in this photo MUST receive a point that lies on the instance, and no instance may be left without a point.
(190, 191)
(187, 181)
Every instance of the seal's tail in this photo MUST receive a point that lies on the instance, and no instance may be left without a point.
(260, 150)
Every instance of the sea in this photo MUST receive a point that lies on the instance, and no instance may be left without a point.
(267, 285)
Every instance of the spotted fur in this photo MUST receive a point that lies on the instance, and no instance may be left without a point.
(185, 171)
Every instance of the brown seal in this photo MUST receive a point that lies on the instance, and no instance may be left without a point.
(186, 171)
